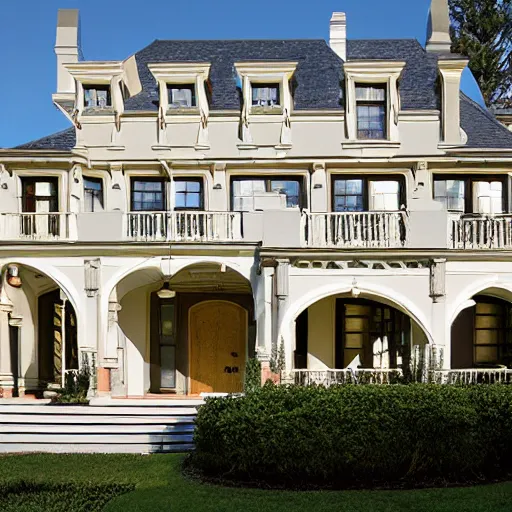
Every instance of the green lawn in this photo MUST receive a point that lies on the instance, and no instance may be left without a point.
(160, 486)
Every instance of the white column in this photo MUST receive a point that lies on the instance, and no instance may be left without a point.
(6, 376)
(281, 295)
(440, 329)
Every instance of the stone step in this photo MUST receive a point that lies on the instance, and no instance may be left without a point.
(25, 447)
(87, 438)
(98, 410)
(52, 428)
(71, 419)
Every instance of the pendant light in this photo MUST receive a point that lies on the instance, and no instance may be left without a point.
(165, 292)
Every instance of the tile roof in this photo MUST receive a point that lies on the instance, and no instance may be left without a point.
(318, 81)
(62, 141)
(482, 128)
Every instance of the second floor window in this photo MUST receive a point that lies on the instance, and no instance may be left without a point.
(474, 194)
(97, 96)
(93, 195)
(39, 195)
(366, 194)
(188, 193)
(371, 111)
(265, 95)
(245, 190)
(148, 195)
(182, 95)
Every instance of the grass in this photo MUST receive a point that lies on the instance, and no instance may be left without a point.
(161, 486)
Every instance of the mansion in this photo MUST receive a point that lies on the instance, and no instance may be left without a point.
(215, 201)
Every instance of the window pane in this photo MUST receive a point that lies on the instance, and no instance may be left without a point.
(450, 193)
(148, 195)
(265, 95)
(289, 188)
(371, 122)
(384, 195)
(487, 197)
(182, 95)
(93, 194)
(348, 195)
(370, 93)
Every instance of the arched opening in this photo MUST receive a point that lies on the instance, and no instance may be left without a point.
(341, 331)
(43, 336)
(190, 334)
(481, 334)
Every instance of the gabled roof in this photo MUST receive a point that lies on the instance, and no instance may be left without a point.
(482, 128)
(61, 141)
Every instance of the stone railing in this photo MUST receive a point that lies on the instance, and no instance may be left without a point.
(345, 376)
(181, 226)
(37, 226)
(480, 231)
(472, 376)
(354, 229)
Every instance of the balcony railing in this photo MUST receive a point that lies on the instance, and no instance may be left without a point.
(472, 376)
(190, 226)
(344, 376)
(354, 229)
(36, 226)
(481, 231)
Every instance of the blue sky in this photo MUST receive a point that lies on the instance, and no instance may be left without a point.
(113, 30)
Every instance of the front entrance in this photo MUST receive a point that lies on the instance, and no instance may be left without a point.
(217, 340)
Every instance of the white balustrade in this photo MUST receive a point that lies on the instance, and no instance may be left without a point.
(344, 376)
(481, 231)
(472, 376)
(184, 226)
(36, 226)
(354, 229)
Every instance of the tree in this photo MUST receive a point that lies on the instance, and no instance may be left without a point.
(482, 31)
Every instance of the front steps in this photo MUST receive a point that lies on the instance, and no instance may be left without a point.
(105, 426)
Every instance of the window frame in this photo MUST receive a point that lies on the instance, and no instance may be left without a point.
(97, 180)
(268, 180)
(194, 179)
(181, 85)
(469, 181)
(98, 87)
(52, 179)
(366, 179)
(373, 103)
(505, 331)
(164, 182)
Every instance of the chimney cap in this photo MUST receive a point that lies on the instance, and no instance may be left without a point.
(68, 18)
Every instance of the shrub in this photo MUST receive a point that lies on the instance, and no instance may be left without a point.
(346, 436)
(36, 497)
(252, 380)
(76, 387)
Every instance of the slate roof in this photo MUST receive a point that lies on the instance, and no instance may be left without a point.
(62, 141)
(318, 80)
(482, 128)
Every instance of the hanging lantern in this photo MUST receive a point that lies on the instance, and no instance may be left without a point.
(13, 276)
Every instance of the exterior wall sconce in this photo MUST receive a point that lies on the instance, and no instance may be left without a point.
(165, 292)
(116, 186)
(217, 186)
(318, 185)
(13, 276)
(4, 186)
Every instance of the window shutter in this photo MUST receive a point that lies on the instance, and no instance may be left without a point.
(384, 195)
(487, 197)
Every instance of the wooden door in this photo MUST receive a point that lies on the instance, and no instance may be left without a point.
(217, 337)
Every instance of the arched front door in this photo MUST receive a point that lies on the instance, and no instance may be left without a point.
(217, 338)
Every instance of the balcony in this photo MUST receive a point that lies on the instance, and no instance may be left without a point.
(480, 231)
(37, 226)
(354, 230)
(181, 226)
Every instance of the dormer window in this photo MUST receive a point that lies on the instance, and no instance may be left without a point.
(265, 95)
(371, 111)
(97, 96)
(372, 102)
(181, 95)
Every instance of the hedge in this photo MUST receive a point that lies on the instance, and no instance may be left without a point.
(357, 436)
(30, 496)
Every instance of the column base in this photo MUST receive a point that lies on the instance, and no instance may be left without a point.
(103, 384)
(6, 392)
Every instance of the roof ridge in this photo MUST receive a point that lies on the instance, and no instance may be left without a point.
(318, 39)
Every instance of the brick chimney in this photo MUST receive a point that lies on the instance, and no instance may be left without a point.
(338, 34)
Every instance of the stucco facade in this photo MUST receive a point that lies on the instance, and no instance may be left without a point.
(222, 201)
